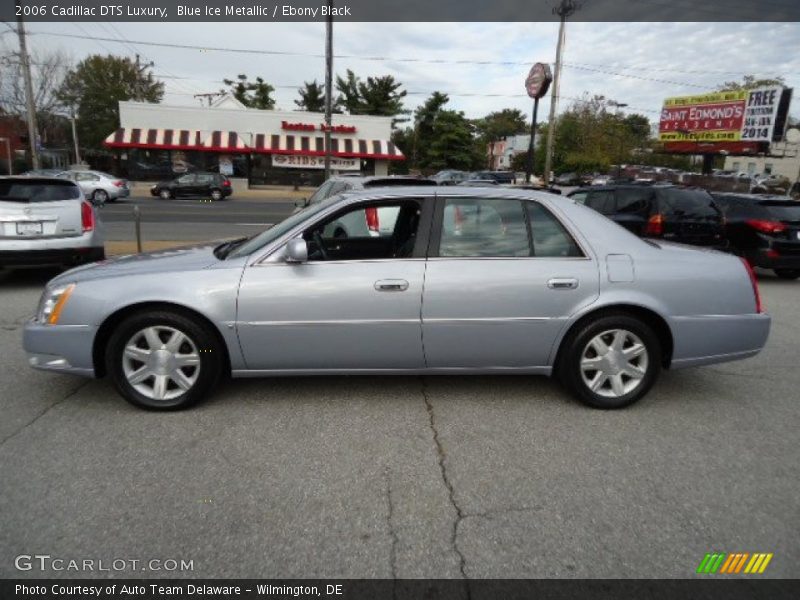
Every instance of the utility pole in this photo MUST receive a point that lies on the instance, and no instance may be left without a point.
(565, 9)
(208, 96)
(328, 87)
(138, 92)
(30, 107)
(75, 139)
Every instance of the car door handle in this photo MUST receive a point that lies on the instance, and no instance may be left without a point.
(391, 285)
(562, 283)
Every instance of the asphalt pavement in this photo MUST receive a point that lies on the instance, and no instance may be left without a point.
(451, 477)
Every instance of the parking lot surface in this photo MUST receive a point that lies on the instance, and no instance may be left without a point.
(450, 477)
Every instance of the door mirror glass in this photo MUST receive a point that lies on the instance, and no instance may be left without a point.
(296, 251)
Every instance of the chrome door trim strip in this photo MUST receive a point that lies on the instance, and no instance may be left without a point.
(328, 322)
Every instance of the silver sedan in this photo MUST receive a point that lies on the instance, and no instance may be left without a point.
(467, 280)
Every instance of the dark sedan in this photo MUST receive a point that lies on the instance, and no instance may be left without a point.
(204, 185)
(765, 230)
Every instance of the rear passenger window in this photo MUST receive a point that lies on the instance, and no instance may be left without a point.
(602, 201)
(482, 227)
(550, 239)
(632, 201)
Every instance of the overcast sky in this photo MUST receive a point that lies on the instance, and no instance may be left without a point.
(642, 62)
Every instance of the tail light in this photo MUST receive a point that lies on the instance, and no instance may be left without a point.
(226, 183)
(655, 226)
(371, 215)
(87, 216)
(119, 183)
(766, 226)
(754, 283)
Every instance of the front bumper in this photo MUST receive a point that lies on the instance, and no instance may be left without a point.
(62, 348)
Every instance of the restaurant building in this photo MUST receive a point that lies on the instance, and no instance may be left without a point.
(158, 141)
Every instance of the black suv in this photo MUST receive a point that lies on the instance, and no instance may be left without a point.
(765, 230)
(668, 212)
(206, 185)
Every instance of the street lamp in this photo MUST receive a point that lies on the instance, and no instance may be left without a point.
(621, 138)
(8, 152)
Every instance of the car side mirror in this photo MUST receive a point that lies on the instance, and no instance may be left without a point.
(296, 251)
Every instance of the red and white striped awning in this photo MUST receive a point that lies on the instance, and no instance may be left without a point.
(226, 141)
(233, 141)
(156, 139)
(306, 145)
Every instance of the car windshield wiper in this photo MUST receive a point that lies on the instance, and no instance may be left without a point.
(224, 249)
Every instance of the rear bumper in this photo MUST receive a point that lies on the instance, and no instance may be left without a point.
(769, 258)
(51, 256)
(709, 339)
(62, 348)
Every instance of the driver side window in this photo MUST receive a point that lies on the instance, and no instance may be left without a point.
(368, 231)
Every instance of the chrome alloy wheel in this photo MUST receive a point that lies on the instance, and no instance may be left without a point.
(614, 363)
(161, 362)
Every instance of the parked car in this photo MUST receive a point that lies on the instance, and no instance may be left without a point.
(478, 183)
(500, 177)
(450, 177)
(765, 230)
(669, 212)
(373, 222)
(98, 187)
(569, 179)
(771, 184)
(204, 185)
(526, 283)
(47, 221)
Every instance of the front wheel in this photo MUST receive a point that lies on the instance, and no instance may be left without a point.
(610, 362)
(165, 194)
(787, 273)
(163, 360)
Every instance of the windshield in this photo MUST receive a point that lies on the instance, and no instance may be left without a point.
(277, 230)
(37, 190)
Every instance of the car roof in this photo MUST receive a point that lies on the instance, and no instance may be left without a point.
(752, 196)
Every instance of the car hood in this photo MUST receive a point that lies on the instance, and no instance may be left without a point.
(182, 259)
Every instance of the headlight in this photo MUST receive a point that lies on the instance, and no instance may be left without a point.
(53, 302)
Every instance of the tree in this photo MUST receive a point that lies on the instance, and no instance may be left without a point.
(453, 143)
(253, 94)
(750, 82)
(97, 85)
(380, 96)
(48, 69)
(312, 97)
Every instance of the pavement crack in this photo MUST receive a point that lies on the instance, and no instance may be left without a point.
(442, 459)
(45, 411)
(390, 523)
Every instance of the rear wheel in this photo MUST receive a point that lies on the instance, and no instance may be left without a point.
(216, 195)
(787, 273)
(610, 362)
(163, 360)
(165, 194)
(99, 197)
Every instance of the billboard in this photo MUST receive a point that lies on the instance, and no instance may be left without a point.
(719, 120)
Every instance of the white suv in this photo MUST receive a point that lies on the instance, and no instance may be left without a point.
(46, 221)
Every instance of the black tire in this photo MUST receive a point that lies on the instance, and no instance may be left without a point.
(787, 273)
(217, 195)
(165, 194)
(569, 370)
(205, 342)
(99, 197)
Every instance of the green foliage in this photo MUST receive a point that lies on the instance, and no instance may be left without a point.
(96, 86)
(253, 94)
(379, 96)
(312, 97)
(750, 82)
